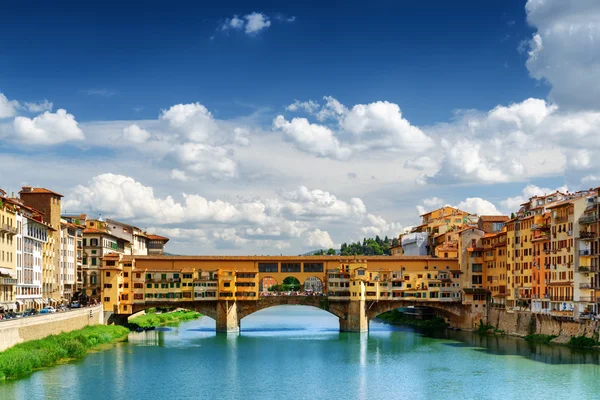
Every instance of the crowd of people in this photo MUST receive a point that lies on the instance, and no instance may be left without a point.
(292, 293)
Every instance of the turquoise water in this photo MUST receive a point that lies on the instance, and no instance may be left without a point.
(295, 352)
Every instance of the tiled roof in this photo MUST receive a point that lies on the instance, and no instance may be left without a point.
(289, 258)
(93, 230)
(494, 218)
(41, 190)
(157, 237)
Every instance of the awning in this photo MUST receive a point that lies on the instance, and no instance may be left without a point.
(19, 302)
(37, 301)
(6, 271)
(44, 301)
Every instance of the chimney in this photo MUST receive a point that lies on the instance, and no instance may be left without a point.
(27, 189)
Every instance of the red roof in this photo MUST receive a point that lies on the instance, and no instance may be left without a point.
(494, 218)
(156, 237)
(93, 230)
(39, 190)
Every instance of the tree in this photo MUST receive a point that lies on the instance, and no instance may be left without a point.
(331, 252)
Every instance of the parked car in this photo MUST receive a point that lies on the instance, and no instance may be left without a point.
(30, 311)
(50, 309)
(75, 304)
(44, 311)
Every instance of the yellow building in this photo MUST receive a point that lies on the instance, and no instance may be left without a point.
(8, 252)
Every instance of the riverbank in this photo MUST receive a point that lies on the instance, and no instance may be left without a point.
(543, 329)
(152, 319)
(24, 358)
(396, 317)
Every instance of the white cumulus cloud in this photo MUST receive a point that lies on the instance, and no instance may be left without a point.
(48, 128)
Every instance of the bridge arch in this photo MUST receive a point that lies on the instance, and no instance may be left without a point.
(266, 283)
(313, 284)
(450, 311)
(207, 308)
(245, 309)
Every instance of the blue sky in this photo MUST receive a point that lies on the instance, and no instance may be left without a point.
(151, 56)
(278, 127)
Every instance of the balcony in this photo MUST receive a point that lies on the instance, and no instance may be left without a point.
(561, 218)
(585, 253)
(585, 235)
(587, 269)
(12, 230)
(588, 219)
(4, 228)
(539, 227)
(8, 281)
(586, 299)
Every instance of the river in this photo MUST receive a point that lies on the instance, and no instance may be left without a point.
(295, 352)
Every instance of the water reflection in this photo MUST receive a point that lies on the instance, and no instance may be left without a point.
(508, 346)
(300, 353)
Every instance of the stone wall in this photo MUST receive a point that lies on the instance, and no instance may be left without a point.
(21, 330)
(523, 323)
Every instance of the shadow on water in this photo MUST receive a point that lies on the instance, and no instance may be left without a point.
(510, 346)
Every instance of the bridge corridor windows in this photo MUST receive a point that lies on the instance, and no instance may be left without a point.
(313, 267)
(290, 267)
(268, 267)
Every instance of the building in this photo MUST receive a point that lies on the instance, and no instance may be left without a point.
(156, 244)
(135, 239)
(492, 223)
(8, 254)
(49, 203)
(96, 243)
(415, 244)
(68, 258)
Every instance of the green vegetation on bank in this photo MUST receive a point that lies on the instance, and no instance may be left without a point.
(539, 338)
(582, 342)
(151, 318)
(24, 358)
(396, 317)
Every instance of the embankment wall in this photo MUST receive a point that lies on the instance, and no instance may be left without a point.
(21, 330)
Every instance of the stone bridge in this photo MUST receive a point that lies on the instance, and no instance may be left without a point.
(354, 316)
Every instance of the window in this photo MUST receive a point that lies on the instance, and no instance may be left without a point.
(477, 268)
(149, 286)
(313, 267)
(290, 267)
(94, 260)
(360, 272)
(110, 263)
(107, 299)
(107, 274)
(126, 274)
(107, 286)
(226, 284)
(268, 267)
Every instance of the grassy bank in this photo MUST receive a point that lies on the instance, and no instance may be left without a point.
(395, 317)
(24, 358)
(153, 319)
